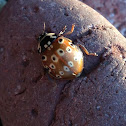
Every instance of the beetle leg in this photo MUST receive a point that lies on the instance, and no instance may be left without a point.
(86, 51)
(62, 32)
(70, 32)
(39, 48)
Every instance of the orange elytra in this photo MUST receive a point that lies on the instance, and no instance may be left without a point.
(62, 58)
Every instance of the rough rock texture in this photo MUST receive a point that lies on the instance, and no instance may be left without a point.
(113, 10)
(30, 98)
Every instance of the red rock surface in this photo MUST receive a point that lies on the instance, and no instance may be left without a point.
(29, 98)
(113, 10)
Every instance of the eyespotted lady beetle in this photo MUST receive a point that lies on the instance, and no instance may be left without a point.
(60, 56)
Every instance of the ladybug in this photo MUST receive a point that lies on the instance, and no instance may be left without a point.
(60, 56)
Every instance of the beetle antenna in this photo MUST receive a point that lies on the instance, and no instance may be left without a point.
(44, 27)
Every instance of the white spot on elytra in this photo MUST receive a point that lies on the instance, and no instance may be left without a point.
(54, 58)
(75, 58)
(60, 52)
(60, 41)
(58, 76)
(70, 63)
(66, 68)
(78, 56)
(44, 58)
(61, 72)
(71, 44)
(68, 49)
(52, 66)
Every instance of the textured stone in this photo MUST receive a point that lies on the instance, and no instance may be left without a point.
(113, 10)
(28, 97)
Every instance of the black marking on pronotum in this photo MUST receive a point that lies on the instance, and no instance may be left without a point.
(45, 38)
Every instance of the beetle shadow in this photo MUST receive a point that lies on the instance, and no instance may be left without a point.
(86, 71)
